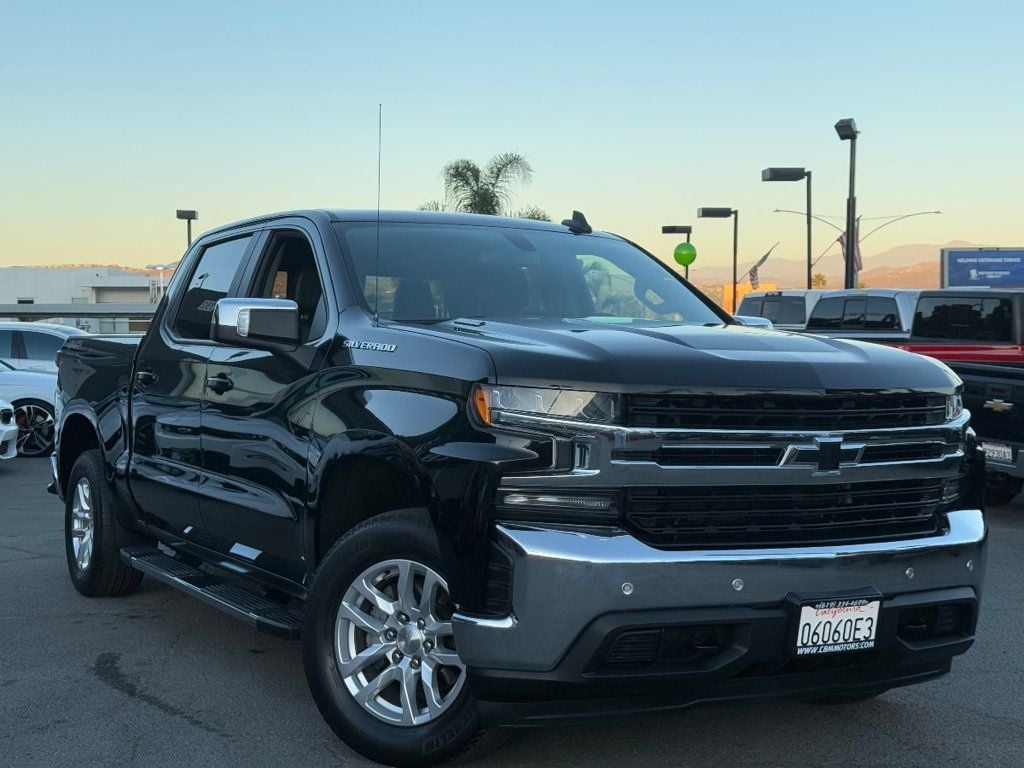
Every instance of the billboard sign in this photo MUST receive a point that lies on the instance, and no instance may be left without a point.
(982, 267)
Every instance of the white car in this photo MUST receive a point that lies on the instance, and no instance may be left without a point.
(32, 395)
(33, 345)
(8, 431)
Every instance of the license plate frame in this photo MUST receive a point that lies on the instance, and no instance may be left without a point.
(830, 624)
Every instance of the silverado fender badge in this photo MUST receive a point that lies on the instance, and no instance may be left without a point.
(999, 406)
(374, 346)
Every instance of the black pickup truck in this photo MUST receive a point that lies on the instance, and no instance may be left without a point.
(496, 471)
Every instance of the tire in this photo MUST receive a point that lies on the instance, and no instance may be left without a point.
(345, 625)
(1000, 488)
(36, 427)
(91, 533)
(846, 700)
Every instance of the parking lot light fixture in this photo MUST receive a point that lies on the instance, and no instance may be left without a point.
(846, 129)
(725, 213)
(795, 174)
(189, 216)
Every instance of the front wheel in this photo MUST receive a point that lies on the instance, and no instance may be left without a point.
(378, 647)
(35, 427)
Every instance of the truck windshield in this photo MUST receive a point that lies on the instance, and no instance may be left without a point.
(436, 272)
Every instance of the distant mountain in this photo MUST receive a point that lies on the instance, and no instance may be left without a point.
(914, 265)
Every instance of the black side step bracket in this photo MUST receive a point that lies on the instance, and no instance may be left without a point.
(266, 615)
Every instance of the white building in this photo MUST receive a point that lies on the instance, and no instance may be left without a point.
(79, 285)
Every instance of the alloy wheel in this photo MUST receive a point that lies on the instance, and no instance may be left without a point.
(393, 643)
(82, 523)
(35, 429)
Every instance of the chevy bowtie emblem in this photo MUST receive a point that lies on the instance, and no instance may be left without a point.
(827, 455)
(999, 406)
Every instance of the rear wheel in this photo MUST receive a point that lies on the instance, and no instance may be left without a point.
(35, 427)
(378, 647)
(1000, 488)
(91, 533)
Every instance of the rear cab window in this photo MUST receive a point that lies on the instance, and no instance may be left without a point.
(988, 318)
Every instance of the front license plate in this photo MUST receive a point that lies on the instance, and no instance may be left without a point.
(998, 451)
(837, 626)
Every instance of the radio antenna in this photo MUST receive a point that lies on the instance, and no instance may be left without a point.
(376, 270)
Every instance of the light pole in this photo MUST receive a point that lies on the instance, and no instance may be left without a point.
(679, 229)
(847, 131)
(161, 268)
(795, 174)
(725, 213)
(188, 216)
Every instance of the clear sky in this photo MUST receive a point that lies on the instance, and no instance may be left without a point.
(114, 114)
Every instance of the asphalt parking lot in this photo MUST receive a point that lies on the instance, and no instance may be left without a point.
(159, 679)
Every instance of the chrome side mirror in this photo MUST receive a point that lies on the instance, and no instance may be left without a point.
(271, 324)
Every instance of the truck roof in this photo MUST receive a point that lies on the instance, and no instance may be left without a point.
(407, 217)
(887, 292)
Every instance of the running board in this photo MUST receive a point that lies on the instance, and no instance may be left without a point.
(265, 614)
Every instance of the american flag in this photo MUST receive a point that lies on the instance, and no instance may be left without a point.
(755, 283)
(857, 264)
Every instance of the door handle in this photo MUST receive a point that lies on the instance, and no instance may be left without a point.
(220, 383)
(146, 377)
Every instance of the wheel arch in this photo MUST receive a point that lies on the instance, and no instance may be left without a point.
(77, 433)
(358, 480)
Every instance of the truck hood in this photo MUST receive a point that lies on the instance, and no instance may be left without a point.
(610, 357)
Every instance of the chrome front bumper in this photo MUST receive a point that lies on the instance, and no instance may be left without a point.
(566, 577)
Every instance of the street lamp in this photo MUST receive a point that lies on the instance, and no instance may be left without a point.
(795, 174)
(847, 131)
(188, 216)
(161, 268)
(679, 229)
(725, 213)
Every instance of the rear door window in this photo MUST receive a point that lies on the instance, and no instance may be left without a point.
(41, 346)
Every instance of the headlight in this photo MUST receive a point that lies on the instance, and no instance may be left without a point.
(501, 405)
(954, 405)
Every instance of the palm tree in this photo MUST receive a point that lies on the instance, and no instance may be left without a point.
(488, 190)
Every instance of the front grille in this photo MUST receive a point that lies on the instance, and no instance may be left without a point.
(6, 416)
(772, 515)
(786, 412)
(874, 454)
(698, 455)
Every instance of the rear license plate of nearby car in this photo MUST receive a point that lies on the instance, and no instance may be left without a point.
(837, 626)
(997, 451)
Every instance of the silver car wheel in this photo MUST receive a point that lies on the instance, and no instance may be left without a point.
(82, 524)
(393, 643)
